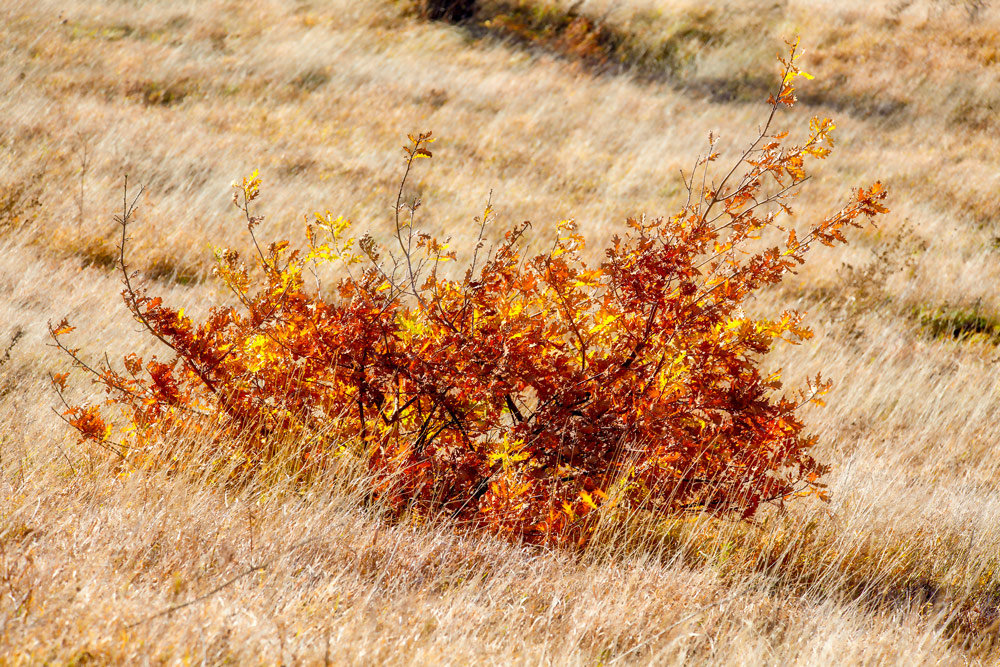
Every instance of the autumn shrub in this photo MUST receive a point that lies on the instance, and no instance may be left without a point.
(528, 394)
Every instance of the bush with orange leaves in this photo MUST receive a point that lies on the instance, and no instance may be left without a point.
(528, 395)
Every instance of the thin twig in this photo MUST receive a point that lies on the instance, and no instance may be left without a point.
(241, 575)
(18, 333)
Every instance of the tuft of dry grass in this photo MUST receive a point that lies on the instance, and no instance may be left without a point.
(111, 564)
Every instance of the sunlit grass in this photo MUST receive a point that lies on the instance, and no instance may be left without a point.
(900, 566)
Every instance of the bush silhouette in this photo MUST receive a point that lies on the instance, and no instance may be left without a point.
(449, 10)
(528, 395)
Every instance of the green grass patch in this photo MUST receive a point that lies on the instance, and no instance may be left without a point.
(959, 323)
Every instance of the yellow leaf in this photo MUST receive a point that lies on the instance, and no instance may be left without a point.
(604, 324)
(413, 325)
(794, 73)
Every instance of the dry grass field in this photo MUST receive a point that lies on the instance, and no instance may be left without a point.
(100, 564)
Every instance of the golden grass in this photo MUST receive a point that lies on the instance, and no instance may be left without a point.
(900, 568)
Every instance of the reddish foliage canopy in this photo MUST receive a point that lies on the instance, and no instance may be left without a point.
(533, 394)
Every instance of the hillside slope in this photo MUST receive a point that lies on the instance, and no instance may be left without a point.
(100, 565)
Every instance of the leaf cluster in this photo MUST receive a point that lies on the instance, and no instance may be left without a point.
(530, 394)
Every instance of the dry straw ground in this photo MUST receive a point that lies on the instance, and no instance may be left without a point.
(902, 567)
